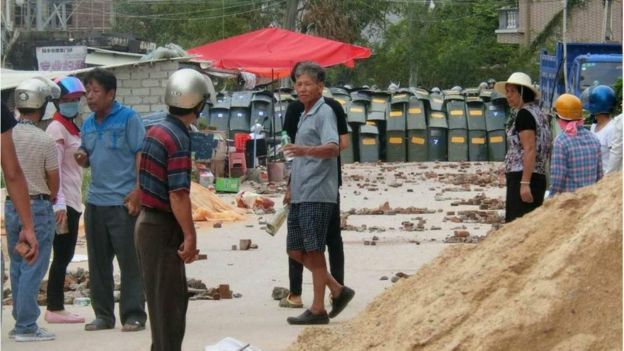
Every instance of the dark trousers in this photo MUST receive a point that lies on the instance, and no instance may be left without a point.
(514, 206)
(158, 237)
(63, 249)
(110, 233)
(335, 251)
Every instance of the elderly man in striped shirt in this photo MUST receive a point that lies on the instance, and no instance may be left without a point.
(576, 160)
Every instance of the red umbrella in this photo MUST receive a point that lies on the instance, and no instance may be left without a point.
(272, 52)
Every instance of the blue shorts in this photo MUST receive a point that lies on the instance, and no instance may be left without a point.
(308, 223)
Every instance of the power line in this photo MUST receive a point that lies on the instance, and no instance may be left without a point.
(265, 5)
(219, 7)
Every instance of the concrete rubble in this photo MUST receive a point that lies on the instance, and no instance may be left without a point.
(77, 288)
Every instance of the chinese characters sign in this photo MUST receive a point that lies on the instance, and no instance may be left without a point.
(61, 58)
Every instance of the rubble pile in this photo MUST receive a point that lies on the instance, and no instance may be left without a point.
(484, 202)
(385, 209)
(199, 291)
(551, 280)
(76, 288)
(479, 178)
(410, 226)
(269, 188)
(465, 180)
(463, 237)
(476, 216)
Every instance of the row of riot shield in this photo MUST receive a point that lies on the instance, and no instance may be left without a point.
(237, 113)
(408, 125)
(415, 126)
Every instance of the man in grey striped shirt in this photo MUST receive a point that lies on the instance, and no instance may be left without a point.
(36, 154)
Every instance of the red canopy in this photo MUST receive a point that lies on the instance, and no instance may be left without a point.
(272, 52)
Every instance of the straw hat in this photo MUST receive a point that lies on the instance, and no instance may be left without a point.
(517, 78)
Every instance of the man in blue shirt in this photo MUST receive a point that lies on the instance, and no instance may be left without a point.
(112, 137)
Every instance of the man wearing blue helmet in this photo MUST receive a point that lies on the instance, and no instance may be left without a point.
(600, 104)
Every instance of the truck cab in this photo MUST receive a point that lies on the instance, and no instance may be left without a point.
(588, 70)
(587, 64)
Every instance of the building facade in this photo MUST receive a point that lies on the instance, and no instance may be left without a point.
(593, 21)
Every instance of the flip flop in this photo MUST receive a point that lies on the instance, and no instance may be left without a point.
(285, 302)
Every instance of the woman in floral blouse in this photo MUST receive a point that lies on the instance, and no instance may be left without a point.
(529, 143)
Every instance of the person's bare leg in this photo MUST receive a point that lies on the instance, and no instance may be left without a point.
(315, 262)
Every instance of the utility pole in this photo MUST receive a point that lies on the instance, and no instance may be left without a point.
(290, 19)
(290, 23)
(413, 78)
(565, 45)
(607, 31)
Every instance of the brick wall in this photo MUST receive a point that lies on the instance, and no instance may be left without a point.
(95, 15)
(584, 23)
(143, 87)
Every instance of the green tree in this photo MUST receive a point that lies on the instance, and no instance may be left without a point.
(453, 44)
(189, 23)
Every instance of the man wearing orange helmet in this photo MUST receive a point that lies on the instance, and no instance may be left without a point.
(576, 160)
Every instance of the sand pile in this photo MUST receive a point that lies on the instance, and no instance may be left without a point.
(549, 281)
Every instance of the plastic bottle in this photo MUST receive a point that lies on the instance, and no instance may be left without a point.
(276, 222)
(285, 140)
(206, 178)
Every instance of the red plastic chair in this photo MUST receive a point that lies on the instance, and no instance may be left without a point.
(236, 159)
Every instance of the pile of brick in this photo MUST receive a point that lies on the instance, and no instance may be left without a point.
(77, 287)
(385, 209)
(484, 202)
(474, 216)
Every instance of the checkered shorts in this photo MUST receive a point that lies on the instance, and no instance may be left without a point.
(307, 226)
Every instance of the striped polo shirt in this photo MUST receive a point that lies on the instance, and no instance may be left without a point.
(36, 153)
(165, 163)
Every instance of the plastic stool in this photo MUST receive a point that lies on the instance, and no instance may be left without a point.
(236, 159)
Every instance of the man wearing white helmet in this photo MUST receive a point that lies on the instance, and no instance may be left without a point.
(165, 236)
(37, 157)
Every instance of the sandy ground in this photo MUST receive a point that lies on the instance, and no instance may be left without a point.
(255, 317)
